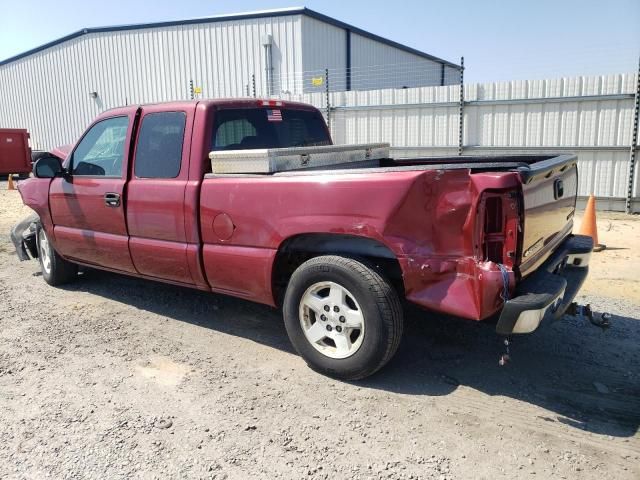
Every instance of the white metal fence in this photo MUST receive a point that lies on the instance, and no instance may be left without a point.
(591, 116)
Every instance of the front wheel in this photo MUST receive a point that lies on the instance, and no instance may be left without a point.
(342, 317)
(55, 269)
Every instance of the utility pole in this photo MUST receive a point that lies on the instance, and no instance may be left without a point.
(326, 90)
(634, 145)
(461, 109)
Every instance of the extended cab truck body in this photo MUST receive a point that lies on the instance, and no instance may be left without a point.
(337, 248)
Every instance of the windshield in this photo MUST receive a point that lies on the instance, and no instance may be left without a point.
(249, 128)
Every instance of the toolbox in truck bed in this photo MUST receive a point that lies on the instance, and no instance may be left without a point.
(272, 160)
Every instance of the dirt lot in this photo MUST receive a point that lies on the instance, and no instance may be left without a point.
(113, 377)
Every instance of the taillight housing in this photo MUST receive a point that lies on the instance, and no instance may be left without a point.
(498, 218)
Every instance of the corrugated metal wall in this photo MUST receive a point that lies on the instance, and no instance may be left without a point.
(376, 65)
(48, 92)
(451, 75)
(323, 46)
(591, 116)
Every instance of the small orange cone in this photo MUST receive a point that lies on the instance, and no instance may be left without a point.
(589, 226)
(10, 185)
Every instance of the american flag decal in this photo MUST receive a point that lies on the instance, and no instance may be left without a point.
(274, 115)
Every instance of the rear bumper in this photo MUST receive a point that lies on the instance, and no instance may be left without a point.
(547, 293)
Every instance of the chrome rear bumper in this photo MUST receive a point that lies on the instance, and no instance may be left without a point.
(549, 291)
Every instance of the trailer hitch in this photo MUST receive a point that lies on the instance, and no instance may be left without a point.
(603, 320)
(505, 357)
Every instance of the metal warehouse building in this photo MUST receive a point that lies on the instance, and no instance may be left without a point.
(55, 90)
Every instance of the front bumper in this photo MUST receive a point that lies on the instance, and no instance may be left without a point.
(23, 236)
(547, 293)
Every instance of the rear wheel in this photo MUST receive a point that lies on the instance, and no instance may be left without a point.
(55, 269)
(342, 316)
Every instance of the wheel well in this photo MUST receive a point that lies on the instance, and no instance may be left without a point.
(296, 250)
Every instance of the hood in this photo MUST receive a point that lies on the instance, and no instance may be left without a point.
(62, 151)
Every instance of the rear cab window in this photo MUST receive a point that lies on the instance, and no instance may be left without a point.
(268, 127)
(159, 149)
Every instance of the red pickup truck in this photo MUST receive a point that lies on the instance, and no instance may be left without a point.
(338, 248)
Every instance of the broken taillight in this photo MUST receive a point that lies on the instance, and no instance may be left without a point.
(500, 216)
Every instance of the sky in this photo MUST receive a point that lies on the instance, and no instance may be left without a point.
(500, 39)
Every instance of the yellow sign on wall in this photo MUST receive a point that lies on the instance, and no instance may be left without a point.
(317, 81)
(197, 90)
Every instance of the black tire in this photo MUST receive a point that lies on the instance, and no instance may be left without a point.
(59, 270)
(379, 307)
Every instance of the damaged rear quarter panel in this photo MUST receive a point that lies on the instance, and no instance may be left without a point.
(437, 228)
(426, 218)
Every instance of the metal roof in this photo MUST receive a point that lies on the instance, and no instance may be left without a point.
(228, 17)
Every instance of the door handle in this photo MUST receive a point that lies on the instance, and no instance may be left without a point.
(112, 199)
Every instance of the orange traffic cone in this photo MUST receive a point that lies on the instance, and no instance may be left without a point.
(10, 185)
(589, 226)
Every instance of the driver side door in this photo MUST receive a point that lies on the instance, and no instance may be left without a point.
(87, 206)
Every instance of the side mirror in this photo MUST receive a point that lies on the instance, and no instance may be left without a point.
(48, 167)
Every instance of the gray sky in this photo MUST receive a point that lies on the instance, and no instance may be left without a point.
(500, 40)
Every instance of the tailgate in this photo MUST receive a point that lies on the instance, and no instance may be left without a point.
(549, 196)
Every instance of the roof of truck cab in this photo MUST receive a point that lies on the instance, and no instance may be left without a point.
(214, 102)
(256, 102)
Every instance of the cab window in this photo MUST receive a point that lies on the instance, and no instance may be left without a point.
(159, 150)
(278, 127)
(101, 151)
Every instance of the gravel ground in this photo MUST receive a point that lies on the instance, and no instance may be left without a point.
(113, 377)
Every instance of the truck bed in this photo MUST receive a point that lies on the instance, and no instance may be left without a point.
(546, 205)
(527, 165)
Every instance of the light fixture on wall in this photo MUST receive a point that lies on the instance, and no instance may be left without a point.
(93, 94)
(267, 42)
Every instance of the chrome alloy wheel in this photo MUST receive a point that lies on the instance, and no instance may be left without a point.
(45, 257)
(332, 320)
